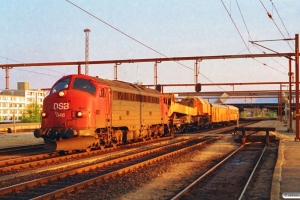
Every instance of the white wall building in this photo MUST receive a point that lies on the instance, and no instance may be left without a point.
(14, 101)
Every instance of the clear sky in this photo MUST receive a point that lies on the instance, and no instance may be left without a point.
(53, 31)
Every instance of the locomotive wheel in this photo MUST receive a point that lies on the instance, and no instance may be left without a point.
(88, 149)
(70, 152)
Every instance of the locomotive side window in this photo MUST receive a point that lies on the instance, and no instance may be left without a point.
(102, 93)
(134, 97)
(63, 84)
(85, 85)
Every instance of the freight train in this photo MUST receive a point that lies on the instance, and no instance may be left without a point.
(83, 112)
(191, 113)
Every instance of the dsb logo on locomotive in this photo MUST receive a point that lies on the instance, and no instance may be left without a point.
(61, 106)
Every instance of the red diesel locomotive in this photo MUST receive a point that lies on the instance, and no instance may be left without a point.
(83, 112)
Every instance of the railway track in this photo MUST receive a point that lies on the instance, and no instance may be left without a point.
(44, 158)
(21, 148)
(40, 160)
(241, 175)
(56, 184)
(14, 186)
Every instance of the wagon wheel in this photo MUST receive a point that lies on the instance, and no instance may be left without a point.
(173, 130)
(186, 129)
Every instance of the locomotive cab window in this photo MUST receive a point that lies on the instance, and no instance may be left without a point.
(85, 85)
(63, 84)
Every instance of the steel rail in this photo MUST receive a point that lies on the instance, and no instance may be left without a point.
(41, 181)
(4, 164)
(84, 184)
(253, 171)
(185, 190)
(21, 148)
(27, 162)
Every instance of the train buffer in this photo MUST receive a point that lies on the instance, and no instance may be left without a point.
(256, 129)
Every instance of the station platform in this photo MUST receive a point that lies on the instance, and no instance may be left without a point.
(286, 176)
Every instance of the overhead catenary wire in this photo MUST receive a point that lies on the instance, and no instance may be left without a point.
(250, 34)
(143, 44)
(271, 17)
(10, 59)
(235, 26)
(244, 40)
(33, 71)
(281, 20)
(147, 46)
(38, 73)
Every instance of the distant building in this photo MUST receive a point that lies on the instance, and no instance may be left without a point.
(138, 83)
(14, 101)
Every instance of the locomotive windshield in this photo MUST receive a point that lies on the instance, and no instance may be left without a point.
(83, 84)
(63, 84)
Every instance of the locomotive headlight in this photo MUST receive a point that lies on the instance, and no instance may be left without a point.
(79, 114)
(61, 93)
(43, 114)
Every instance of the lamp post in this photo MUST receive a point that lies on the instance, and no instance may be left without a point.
(87, 31)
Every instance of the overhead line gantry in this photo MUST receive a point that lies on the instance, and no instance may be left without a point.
(125, 61)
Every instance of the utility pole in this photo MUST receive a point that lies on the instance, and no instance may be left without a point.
(297, 138)
(87, 31)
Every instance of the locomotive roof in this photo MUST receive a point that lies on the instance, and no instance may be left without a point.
(120, 85)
